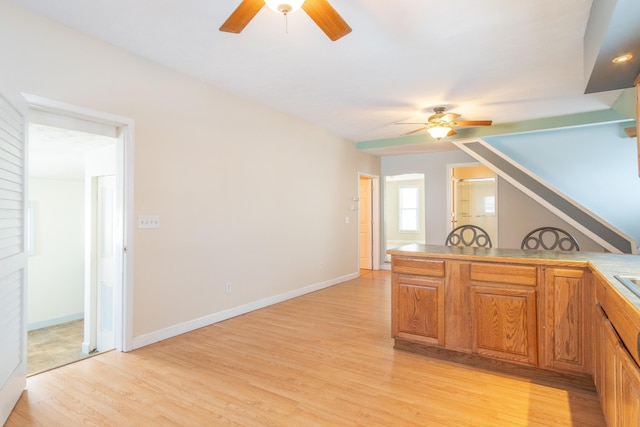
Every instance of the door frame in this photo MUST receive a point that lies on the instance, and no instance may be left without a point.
(375, 220)
(449, 205)
(104, 338)
(123, 294)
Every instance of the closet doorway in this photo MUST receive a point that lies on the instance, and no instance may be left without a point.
(71, 230)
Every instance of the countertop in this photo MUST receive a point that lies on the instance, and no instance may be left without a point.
(606, 264)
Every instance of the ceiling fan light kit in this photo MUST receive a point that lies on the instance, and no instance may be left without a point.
(438, 132)
(284, 7)
(440, 124)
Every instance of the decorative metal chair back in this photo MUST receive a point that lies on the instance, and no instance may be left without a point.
(469, 235)
(551, 239)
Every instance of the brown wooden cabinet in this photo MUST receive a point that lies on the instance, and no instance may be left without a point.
(503, 302)
(562, 316)
(616, 374)
(418, 300)
(627, 389)
(484, 308)
(568, 304)
(617, 378)
(607, 346)
(528, 314)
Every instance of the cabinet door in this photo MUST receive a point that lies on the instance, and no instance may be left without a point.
(627, 390)
(504, 323)
(568, 298)
(418, 308)
(606, 374)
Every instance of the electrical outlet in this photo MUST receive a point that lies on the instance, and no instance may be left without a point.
(227, 288)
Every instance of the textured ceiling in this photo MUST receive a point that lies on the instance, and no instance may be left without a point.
(503, 60)
(56, 153)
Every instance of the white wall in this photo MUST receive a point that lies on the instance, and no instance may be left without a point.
(56, 268)
(245, 194)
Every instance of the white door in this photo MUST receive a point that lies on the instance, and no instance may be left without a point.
(13, 260)
(106, 265)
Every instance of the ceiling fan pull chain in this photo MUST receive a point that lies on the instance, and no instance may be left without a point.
(286, 23)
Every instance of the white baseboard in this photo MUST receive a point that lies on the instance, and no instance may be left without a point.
(53, 322)
(163, 334)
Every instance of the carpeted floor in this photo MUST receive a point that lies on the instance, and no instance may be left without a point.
(55, 346)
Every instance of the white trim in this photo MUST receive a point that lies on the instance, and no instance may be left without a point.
(125, 339)
(40, 103)
(124, 294)
(172, 331)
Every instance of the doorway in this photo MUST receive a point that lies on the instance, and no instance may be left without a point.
(404, 210)
(72, 227)
(366, 224)
(369, 233)
(473, 198)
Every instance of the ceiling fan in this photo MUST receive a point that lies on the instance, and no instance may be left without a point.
(320, 11)
(441, 124)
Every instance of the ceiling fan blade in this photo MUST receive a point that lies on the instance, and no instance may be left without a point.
(447, 117)
(473, 123)
(240, 17)
(326, 17)
(452, 132)
(414, 131)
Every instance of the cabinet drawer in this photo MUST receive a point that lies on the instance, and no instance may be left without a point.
(419, 266)
(504, 273)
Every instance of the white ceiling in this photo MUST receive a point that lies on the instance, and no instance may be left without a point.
(503, 60)
(56, 153)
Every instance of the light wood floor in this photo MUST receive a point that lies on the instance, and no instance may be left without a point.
(324, 359)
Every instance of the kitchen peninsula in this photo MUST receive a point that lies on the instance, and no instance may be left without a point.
(550, 312)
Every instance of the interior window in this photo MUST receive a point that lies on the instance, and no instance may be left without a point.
(408, 199)
(404, 220)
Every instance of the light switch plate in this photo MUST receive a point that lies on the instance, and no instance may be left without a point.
(148, 221)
